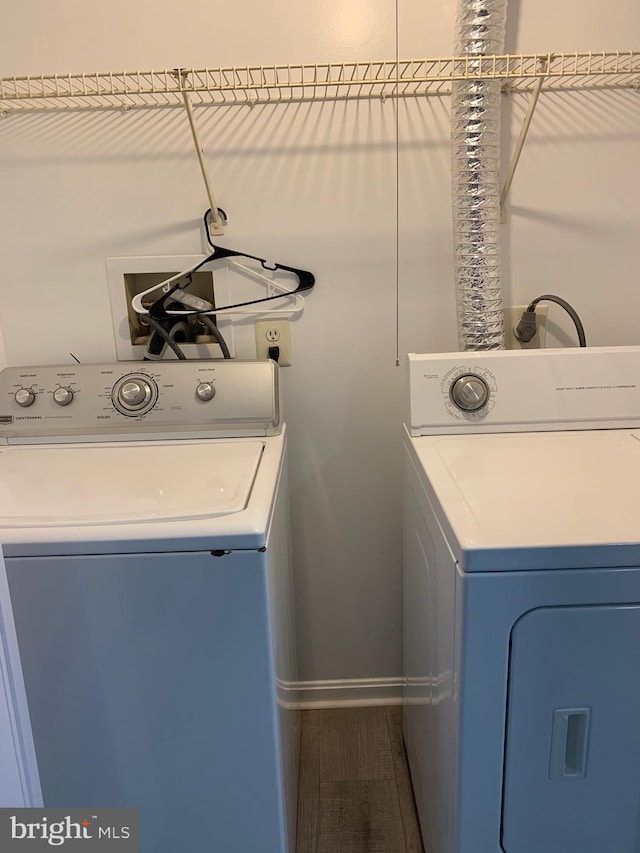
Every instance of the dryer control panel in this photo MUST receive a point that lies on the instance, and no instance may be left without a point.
(139, 399)
(524, 390)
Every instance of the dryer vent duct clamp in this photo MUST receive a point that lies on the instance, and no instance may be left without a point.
(475, 169)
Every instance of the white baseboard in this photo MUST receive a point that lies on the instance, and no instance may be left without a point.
(348, 692)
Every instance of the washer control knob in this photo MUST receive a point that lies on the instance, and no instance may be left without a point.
(25, 397)
(134, 393)
(470, 392)
(63, 396)
(205, 391)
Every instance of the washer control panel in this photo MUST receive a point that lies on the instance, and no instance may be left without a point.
(127, 400)
(524, 390)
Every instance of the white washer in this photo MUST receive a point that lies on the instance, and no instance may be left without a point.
(144, 522)
(522, 600)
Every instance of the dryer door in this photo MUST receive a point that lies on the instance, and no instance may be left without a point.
(573, 739)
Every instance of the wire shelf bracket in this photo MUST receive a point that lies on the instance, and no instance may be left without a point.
(515, 158)
(215, 224)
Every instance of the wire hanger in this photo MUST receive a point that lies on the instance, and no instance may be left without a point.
(172, 287)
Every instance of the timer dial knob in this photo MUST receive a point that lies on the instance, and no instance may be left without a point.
(470, 392)
(25, 397)
(205, 391)
(63, 396)
(134, 394)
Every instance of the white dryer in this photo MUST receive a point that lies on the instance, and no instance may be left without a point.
(521, 576)
(144, 522)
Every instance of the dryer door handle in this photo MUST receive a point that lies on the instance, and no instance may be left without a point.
(569, 741)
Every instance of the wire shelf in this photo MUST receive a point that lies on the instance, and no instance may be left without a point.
(259, 84)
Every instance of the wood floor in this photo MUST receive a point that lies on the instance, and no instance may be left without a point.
(355, 794)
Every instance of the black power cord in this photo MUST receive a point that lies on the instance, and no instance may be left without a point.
(163, 334)
(217, 334)
(167, 331)
(527, 326)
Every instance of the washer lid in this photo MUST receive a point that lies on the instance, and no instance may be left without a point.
(121, 483)
(537, 500)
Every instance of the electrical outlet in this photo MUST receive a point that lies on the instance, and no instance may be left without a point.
(274, 333)
(512, 318)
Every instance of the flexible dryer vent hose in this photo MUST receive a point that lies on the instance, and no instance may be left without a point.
(475, 169)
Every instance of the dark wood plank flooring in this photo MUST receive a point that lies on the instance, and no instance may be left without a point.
(355, 793)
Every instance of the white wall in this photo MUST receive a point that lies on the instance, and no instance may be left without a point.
(315, 186)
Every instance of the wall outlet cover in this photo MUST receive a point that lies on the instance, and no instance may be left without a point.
(274, 332)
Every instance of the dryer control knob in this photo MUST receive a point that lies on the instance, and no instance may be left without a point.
(205, 391)
(63, 396)
(469, 392)
(25, 397)
(134, 394)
